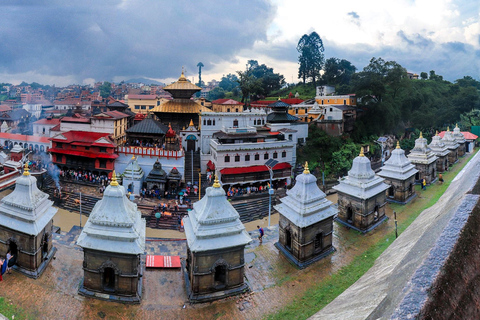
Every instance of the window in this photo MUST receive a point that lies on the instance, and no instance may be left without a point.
(275, 155)
(237, 158)
(43, 130)
(290, 137)
(227, 158)
(87, 148)
(318, 241)
(158, 103)
(263, 121)
(151, 107)
(143, 107)
(296, 111)
(59, 145)
(137, 107)
(204, 122)
(284, 154)
(103, 149)
(213, 121)
(344, 101)
(235, 123)
(331, 109)
(236, 110)
(102, 163)
(255, 122)
(265, 156)
(247, 157)
(209, 122)
(74, 147)
(228, 110)
(257, 157)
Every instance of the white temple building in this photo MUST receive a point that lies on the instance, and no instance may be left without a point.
(424, 160)
(459, 137)
(26, 226)
(113, 241)
(441, 151)
(306, 222)
(361, 196)
(133, 177)
(216, 239)
(399, 173)
(452, 146)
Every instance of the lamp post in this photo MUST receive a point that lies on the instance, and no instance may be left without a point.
(270, 164)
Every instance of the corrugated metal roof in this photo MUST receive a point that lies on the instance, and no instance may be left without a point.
(149, 126)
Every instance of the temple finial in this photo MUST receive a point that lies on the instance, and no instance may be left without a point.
(26, 169)
(436, 132)
(191, 123)
(216, 183)
(133, 157)
(361, 152)
(305, 168)
(448, 129)
(456, 125)
(398, 144)
(421, 136)
(114, 181)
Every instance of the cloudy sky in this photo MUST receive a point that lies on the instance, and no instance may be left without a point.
(63, 42)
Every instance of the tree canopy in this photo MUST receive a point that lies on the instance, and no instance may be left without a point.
(311, 58)
(258, 81)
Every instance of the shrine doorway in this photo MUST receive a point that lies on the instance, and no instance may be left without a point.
(349, 215)
(288, 239)
(220, 277)
(191, 142)
(109, 279)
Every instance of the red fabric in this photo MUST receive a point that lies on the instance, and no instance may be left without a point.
(211, 165)
(240, 170)
(154, 261)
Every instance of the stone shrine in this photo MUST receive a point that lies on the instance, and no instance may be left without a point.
(306, 222)
(157, 178)
(441, 151)
(133, 177)
(452, 146)
(113, 242)
(26, 226)
(361, 197)
(216, 240)
(399, 173)
(460, 140)
(424, 160)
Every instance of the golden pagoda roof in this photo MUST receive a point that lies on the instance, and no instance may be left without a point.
(180, 106)
(182, 84)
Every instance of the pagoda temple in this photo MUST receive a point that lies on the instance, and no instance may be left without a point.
(182, 108)
(361, 196)
(424, 160)
(216, 240)
(306, 222)
(441, 151)
(452, 146)
(133, 177)
(460, 140)
(157, 178)
(113, 242)
(280, 113)
(399, 173)
(26, 226)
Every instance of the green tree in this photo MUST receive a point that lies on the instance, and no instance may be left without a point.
(105, 89)
(229, 82)
(337, 72)
(423, 75)
(471, 118)
(216, 93)
(311, 57)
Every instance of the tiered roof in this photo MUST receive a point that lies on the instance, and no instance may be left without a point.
(214, 223)
(305, 204)
(438, 147)
(115, 224)
(157, 174)
(421, 153)
(361, 181)
(398, 166)
(26, 209)
(450, 141)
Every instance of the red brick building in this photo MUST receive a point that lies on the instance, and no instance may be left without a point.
(88, 151)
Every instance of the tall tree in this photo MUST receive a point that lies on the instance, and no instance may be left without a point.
(229, 82)
(311, 57)
(200, 65)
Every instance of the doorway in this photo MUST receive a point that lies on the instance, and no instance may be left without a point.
(288, 240)
(109, 279)
(220, 276)
(349, 215)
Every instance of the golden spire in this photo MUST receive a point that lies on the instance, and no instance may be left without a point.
(114, 181)
(361, 152)
(182, 77)
(133, 157)
(448, 129)
(421, 136)
(305, 168)
(216, 183)
(398, 144)
(456, 125)
(436, 132)
(169, 125)
(26, 170)
(191, 123)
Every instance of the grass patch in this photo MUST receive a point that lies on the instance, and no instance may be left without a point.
(326, 290)
(9, 310)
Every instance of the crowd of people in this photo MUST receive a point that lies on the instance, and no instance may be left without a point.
(85, 176)
(142, 143)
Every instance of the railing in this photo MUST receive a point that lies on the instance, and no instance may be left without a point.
(151, 152)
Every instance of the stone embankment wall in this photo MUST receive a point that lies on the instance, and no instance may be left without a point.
(430, 271)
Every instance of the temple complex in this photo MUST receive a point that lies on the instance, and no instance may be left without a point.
(452, 146)
(424, 160)
(441, 151)
(182, 108)
(26, 226)
(133, 177)
(361, 196)
(306, 222)
(113, 242)
(399, 173)
(216, 240)
(460, 140)
(157, 178)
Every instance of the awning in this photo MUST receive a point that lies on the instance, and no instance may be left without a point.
(251, 169)
(211, 165)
